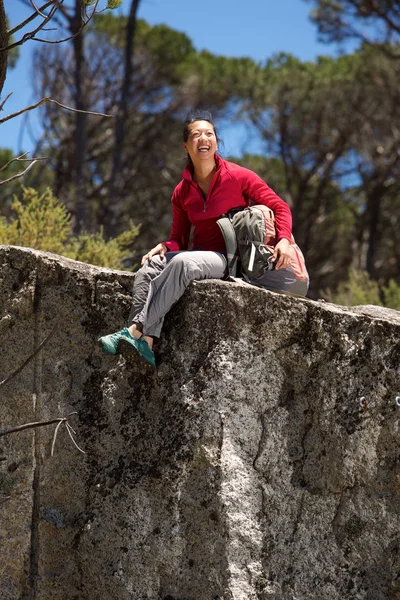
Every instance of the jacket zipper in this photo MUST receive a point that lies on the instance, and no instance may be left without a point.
(212, 184)
(204, 197)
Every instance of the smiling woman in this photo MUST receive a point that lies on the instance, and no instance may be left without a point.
(210, 187)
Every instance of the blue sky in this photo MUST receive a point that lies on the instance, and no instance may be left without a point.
(253, 28)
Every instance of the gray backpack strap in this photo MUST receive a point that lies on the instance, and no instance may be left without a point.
(230, 242)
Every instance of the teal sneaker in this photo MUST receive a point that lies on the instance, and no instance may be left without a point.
(140, 345)
(109, 343)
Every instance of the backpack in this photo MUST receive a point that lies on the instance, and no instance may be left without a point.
(250, 238)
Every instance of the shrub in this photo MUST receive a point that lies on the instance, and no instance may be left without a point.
(360, 289)
(43, 223)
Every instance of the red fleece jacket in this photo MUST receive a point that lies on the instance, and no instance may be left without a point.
(231, 186)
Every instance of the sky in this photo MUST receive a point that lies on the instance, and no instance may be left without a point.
(234, 28)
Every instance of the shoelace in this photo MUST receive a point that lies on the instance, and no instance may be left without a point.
(114, 337)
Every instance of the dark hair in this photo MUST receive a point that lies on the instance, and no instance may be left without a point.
(198, 115)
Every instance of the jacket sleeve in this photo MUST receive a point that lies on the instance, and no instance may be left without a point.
(181, 226)
(260, 193)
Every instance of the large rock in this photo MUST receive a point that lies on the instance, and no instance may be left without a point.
(260, 461)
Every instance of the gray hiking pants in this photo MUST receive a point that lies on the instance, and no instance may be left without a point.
(161, 282)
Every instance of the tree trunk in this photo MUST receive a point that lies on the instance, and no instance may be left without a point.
(121, 117)
(80, 124)
(3, 44)
(374, 209)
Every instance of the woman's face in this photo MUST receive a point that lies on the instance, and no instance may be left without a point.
(202, 142)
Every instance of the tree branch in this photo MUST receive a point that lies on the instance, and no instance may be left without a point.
(42, 101)
(18, 175)
(33, 425)
(29, 19)
(5, 100)
(30, 357)
(38, 10)
(31, 34)
(60, 421)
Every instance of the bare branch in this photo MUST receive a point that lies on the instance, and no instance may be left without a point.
(7, 379)
(56, 6)
(31, 425)
(18, 175)
(5, 100)
(35, 424)
(38, 10)
(68, 426)
(55, 437)
(31, 34)
(19, 158)
(42, 101)
(29, 19)
(73, 36)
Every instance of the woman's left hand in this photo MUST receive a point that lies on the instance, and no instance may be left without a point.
(281, 256)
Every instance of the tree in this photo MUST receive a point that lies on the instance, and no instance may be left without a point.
(122, 112)
(360, 289)
(168, 78)
(328, 122)
(304, 116)
(76, 16)
(377, 159)
(3, 43)
(39, 221)
(372, 21)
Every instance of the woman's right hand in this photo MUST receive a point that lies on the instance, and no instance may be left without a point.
(160, 249)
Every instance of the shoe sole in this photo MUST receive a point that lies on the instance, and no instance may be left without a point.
(100, 343)
(130, 353)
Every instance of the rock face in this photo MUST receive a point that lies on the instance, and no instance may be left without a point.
(260, 460)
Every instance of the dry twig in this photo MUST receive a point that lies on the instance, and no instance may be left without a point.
(60, 421)
(38, 10)
(28, 168)
(56, 5)
(30, 426)
(29, 19)
(5, 100)
(47, 99)
(17, 158)
(19, 369)
(20, 159)
(31, 34)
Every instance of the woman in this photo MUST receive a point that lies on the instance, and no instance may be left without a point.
(210, 187)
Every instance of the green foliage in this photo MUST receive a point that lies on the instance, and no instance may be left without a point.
(329, 130)
(360, 289)
(42, 223)
(8, 167)
(337, 20)
(112, 4)
(93, 249)
(391, 295)
(168, 51)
